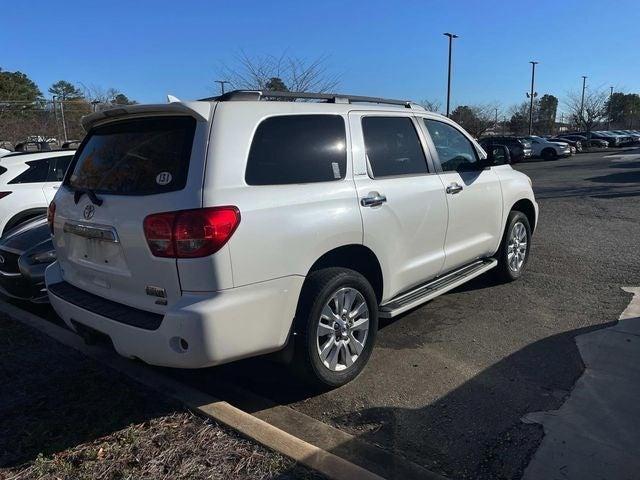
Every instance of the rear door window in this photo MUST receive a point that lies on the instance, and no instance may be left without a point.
(393, 147)
(36, 173)
(58, 167)
(298, 149)
(135, 157)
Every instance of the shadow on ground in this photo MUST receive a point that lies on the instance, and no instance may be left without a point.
(53, 398)
(457, 435)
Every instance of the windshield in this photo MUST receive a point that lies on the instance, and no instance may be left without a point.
(135, 157)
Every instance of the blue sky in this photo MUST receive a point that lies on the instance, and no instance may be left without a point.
(150, 48)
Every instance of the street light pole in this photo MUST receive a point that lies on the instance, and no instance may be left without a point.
(533, 78)
(64, 123)
(584, 84)
(55, 115)
(451, 37)
(610, 99)
(222, 82)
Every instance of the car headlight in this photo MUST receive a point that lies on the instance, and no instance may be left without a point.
(44, 257)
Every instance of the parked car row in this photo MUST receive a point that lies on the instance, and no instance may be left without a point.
(198, 233)
(614, 138)
(532, 146)
(562, 145)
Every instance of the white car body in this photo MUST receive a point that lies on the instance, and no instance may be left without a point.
(22, 198)
(241, 301)
(539, 145)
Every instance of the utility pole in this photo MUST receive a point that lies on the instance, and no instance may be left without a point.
(584, 85)
(496, 119)
(55, 115)
(222, 82)
(610, 99)
(451, 37)
(533, 78)
(64, 124)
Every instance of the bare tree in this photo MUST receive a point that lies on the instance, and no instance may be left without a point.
(476, 119)
(430, 105)
(296, 74)
(589, 114)
(94, 93)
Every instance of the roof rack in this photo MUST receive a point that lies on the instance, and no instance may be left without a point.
(256, 95)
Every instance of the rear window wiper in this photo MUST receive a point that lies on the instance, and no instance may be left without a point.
(78, 192)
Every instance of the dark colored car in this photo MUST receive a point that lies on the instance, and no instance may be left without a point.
(519, 149)
(71, 145)
(29, 146)
(594, 142)
(25, 253)
(577, 144)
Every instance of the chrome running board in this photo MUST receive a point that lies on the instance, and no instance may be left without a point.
(428, 291)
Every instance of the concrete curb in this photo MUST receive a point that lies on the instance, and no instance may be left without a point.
(325, 462)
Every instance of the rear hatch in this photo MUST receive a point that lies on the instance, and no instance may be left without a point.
(125, 170)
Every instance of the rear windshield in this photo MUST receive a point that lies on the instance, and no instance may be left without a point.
(135, 157)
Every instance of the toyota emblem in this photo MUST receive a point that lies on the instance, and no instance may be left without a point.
(89, 210)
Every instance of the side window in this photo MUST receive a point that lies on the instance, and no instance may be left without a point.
(58, 167)
(298, 149)
(455, 151)
(393, 146)
(36, 173)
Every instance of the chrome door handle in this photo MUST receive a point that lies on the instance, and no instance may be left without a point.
(374, 199)
(454, 188)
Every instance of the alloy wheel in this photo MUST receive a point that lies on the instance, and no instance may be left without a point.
(517, 247)
(342, 329)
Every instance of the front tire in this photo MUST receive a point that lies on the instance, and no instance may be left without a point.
(337, 323)
(513, 254)
(549, 154)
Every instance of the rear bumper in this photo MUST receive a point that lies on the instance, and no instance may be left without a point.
(218, 327)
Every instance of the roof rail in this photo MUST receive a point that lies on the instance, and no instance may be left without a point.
(256, 95)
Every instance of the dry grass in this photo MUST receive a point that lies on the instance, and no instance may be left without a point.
(67, 417)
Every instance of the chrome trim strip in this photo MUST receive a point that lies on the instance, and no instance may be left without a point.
(436, 292)
(96, 232)
(7, 274)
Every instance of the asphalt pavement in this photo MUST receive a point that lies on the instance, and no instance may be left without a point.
(448, 383)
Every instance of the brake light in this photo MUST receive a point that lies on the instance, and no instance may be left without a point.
(4, 194)
(51, 214)
(190, 233)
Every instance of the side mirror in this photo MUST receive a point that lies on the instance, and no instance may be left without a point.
(497, 155)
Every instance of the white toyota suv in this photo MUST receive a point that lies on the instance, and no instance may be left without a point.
(198, 233)
(28, 182)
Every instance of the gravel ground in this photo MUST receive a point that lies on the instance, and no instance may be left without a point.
(66, 417)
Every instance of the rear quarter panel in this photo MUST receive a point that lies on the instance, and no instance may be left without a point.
(284, 229)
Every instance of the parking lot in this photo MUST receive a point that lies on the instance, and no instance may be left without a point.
(449, 382)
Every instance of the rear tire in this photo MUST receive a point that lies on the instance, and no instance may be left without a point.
(513, 254)
(336, 323)
(549, 154)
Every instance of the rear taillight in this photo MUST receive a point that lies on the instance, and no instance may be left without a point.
(190, 233)
(51, 214)
(4, 194)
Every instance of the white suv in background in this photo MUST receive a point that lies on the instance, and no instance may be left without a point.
(198, 233)
(28, 182)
